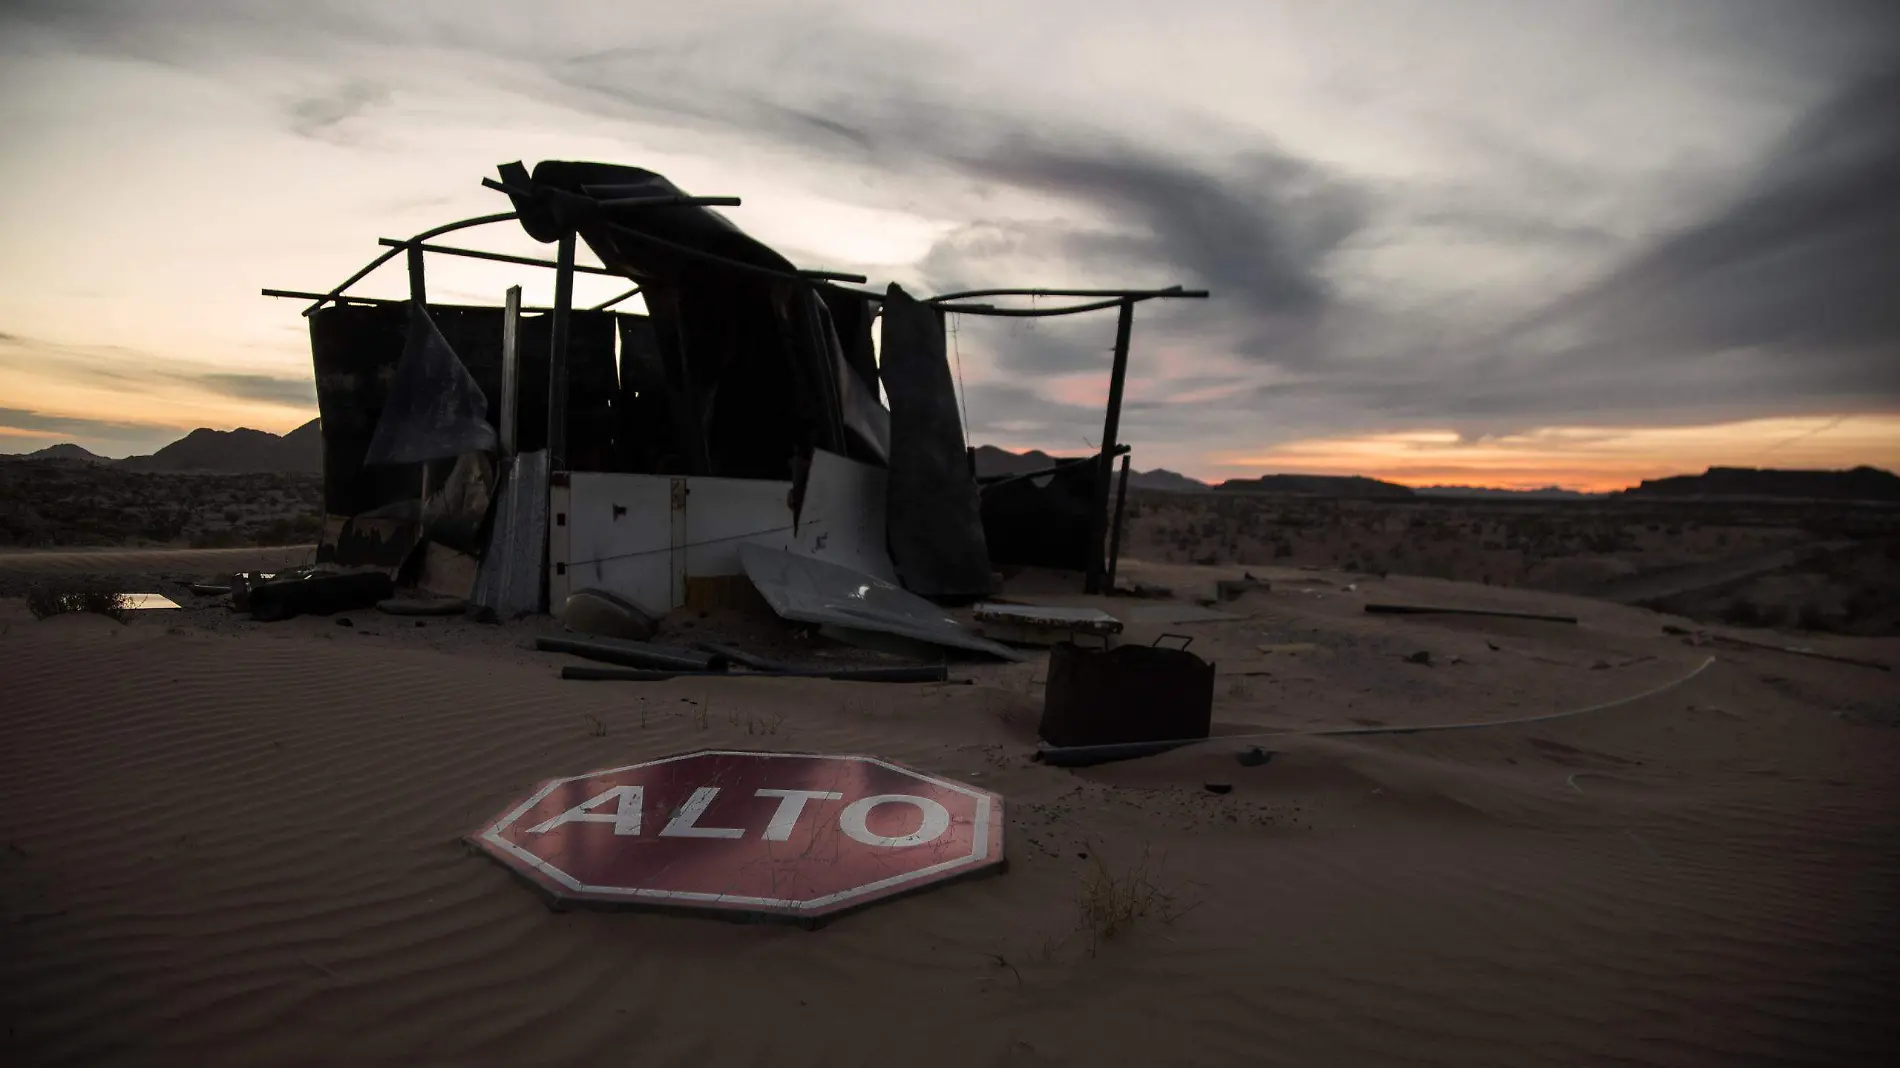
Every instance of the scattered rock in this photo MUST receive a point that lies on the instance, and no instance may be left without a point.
(1420, 657)
(607, 615)
(1219, 787)
(344, 621)
(1253, 757)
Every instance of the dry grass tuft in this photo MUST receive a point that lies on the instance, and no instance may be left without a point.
(1110, 904)
(43, 603)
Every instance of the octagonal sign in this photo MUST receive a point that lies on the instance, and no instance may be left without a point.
(796, 836)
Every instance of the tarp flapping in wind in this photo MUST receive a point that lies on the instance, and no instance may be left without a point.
(936, 531)
(435, 410)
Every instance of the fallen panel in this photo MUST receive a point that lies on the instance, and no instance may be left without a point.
(632, 653)
(1030, 624)
(924, 673)
(508, 582)
(1438, 610)
(1178, 613)
(816, 591)
(788, 836)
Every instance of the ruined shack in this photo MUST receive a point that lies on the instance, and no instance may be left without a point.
(511, 456)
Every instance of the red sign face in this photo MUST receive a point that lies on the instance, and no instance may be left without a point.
(790, 835)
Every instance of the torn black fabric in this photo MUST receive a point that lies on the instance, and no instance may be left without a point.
(1046, 521)
(934, 526)
(435, 410)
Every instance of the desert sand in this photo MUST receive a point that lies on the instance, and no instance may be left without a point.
(238, 843)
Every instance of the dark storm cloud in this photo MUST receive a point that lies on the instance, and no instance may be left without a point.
(39, 423)
(1778, 301)
(316, 116)
(130, 371)
(290, 392)
(1260, 233)
(1808, 257)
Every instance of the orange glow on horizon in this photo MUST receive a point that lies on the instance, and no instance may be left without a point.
(1594, 459)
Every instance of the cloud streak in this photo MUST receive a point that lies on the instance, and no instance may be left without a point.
(1407, 238)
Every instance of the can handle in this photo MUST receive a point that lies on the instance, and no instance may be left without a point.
(1186, 640)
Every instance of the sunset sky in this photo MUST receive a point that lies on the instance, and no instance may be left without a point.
(1469, 241)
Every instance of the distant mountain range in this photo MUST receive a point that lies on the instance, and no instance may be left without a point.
(1857, 484)
(992, 461)
(1357, 486)
(1545, 493)
(236, 452)
(247, 451)
(63, 451)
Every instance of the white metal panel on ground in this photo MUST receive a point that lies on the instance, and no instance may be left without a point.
(641, 536)
(820, 591)
(843, 517)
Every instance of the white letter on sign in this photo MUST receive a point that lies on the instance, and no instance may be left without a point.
(936, 820)
(791, 804)
(625, 817)
(681, 825)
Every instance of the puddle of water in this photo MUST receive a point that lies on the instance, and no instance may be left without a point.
(138, 601)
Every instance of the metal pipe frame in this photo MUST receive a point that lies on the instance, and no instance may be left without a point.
(303, 294)
(734, 265)
(1111, 426)
(557, 353)
(1115, 298)
(497, 257)
(1118, 294)
(1115, 531)
(447, 228)
(611, 301)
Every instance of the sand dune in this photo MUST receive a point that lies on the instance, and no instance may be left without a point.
(242, 846)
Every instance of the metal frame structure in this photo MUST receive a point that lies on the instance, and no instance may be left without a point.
(1123, 300)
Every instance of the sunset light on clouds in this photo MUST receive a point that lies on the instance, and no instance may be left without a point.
(1449, 243)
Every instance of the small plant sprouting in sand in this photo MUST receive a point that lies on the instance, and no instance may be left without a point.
(44, 603)
(702, 714)
(599, 728)
(1108, 904)
(764, 724)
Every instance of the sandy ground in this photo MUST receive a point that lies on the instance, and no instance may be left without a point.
(241, 844)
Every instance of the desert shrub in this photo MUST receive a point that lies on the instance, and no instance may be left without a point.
(43, 602)
(221, 538)
(1743, 613)
(1109, 904)
(1812, 618)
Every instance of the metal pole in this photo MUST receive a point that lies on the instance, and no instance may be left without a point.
(510, 369)
(1098, 515)
(1115, 532)
(557, 355)
(419, 294)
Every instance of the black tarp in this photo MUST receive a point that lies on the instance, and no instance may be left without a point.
(434, 410)
(356, 350)
(935, 529)
(750, 354)
(1043, 521)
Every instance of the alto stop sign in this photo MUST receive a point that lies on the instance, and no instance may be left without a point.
(783, 835)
